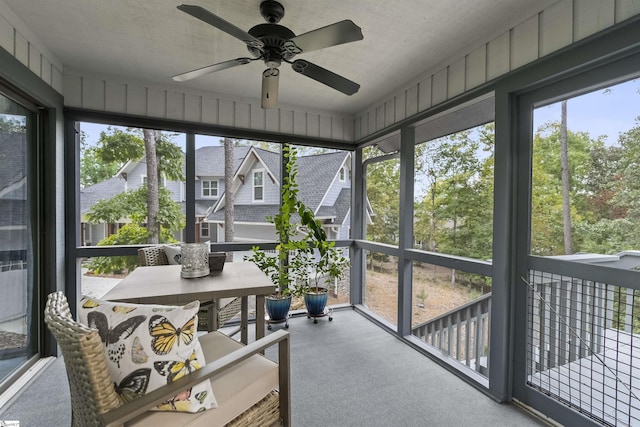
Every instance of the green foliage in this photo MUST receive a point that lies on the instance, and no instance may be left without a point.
(383, 189)
(455, 216)
(127, 235)
(604, 192)
(114, 148)
(132, 204)
(117, 146)
(92, 168)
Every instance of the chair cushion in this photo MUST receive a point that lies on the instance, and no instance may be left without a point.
(237, 388)
(174, 254)
(147, 346)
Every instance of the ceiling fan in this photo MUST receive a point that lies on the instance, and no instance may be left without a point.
(274, 44)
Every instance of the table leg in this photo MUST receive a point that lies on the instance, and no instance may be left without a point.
(244, 316)
(259, 316)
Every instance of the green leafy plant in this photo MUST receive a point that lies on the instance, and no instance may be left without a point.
(295, 265)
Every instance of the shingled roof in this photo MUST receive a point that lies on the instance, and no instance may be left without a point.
(247, 213)
(210, 160)
(338, 212)
(106, 189)
(315, 175)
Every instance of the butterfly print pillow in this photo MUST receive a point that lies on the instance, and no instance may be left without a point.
(147, 346)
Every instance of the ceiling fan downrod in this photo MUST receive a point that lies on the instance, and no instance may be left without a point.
(271, 11)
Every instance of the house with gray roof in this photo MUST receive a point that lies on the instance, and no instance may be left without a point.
(324, 186)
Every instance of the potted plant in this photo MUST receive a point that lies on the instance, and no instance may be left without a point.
(289, 266)
(325, 264)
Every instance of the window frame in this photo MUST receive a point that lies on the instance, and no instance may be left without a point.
(254, 186)
(210, 195)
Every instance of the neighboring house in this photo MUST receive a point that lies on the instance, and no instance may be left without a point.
(324, 186)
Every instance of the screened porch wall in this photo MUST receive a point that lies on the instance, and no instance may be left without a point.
(559, 25)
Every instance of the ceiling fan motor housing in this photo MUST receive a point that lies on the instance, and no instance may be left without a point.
(274, 38)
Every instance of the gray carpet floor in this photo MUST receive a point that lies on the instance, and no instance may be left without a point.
(348, 372)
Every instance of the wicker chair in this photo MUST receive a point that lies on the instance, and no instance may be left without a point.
(232, 368)
(227, 308)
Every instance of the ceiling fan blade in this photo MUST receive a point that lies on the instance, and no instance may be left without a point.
(270, 80)
(211, 19)
(331, 35)
(211, 69)
(325, 76)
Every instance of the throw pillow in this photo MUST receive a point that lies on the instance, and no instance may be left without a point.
(147, 346)
(174, 254)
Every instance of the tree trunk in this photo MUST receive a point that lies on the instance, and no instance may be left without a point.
(228, 194)
(153, 183)
(564, 163)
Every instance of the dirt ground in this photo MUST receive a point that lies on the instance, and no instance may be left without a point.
(381, 293)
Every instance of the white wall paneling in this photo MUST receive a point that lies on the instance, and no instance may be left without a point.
(591, 16)
(626, 9)
(115, 97)
(556, 27)
(193, 108)
(6, 35)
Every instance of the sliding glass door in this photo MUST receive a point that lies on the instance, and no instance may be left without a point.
(18, 319)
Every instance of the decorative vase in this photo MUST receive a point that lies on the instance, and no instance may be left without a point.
(195, 260)
(316, 300)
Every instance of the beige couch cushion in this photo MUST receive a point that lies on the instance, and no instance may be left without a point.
(236, 390)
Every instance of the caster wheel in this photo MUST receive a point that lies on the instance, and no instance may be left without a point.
(308, 317)
(315, 320)
(330, 319)
(269, 327)
(286, 326)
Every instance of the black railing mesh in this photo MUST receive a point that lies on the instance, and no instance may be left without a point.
(584, 346)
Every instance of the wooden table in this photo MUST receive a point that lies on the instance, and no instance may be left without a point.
(163, 285)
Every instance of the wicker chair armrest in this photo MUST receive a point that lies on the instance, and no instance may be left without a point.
(128, 411)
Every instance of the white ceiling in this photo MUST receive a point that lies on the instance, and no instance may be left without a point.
(151, 40)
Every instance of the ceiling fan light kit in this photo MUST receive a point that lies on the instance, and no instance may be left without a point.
(275, 44)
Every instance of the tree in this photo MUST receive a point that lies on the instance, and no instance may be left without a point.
(228, 194)
(383, 186)
(455, 214)
(564, 166)
(153, 182)
(149, 208)
(92, 169)
(547, 225)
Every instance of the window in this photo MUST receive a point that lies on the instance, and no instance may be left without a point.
(453, 193)
(593, 207)
(209, 188)
(258, 186)
(18, 235)
(343, 174)
(204, 229)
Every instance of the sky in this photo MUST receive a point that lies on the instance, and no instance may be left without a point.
(602, 112)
